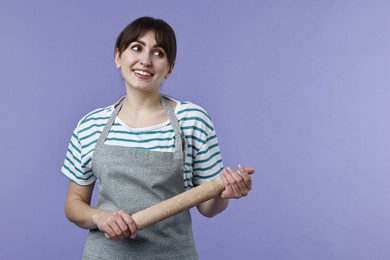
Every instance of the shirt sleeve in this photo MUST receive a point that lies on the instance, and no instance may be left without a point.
(73, 168)
(208, 161)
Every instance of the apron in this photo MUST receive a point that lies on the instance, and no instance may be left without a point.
(132, 180)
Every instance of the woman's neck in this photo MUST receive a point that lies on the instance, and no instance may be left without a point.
(142, 101)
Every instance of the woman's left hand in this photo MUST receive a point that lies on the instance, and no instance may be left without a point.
(238, 183)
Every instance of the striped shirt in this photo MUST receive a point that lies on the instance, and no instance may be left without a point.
(203, 158)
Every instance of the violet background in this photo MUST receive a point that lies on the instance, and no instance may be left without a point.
(297, 89)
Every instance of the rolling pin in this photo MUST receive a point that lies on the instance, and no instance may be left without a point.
(179, 203)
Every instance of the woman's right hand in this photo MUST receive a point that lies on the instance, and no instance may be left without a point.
(116, 225)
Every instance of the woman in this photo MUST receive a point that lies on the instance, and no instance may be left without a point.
(142, 150)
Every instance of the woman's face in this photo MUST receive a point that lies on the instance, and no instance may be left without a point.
(143, 64)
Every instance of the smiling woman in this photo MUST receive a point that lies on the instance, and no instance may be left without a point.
(144, 149)
(137, 60)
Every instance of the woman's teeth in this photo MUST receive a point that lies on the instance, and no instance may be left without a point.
(142, 73)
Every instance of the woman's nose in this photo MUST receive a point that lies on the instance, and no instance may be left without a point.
(145, 60)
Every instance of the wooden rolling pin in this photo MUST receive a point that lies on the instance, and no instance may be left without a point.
(179, 203)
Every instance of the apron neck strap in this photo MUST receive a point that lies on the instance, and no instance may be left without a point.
(110, 122)
(179, 136)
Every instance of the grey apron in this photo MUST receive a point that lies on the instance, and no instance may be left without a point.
(134, 179)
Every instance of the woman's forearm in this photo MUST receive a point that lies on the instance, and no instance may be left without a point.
(80, 213)
(77, 206)
(213, 206)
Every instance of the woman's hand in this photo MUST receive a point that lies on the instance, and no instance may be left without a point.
(116, 225)
(238, 183)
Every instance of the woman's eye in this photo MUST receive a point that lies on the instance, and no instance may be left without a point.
(136, 48)
(158, 53)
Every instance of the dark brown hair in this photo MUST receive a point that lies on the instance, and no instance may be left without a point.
(163, 32)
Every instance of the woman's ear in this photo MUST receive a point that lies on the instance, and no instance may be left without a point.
(170, 70)
(117, 59)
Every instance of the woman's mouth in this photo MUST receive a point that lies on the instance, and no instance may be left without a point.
(142, 74)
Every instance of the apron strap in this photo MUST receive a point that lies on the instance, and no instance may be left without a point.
(109, 124)
(180, 143)
(179, 136)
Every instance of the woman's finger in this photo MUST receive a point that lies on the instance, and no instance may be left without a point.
(239, 182)
(131, 225)
(118, 232)
(250, 170)
(124, 229)
(228, 192)
(245, 175)
(233, 184)
(111, 232)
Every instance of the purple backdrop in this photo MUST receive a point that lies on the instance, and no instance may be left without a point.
(297, 89)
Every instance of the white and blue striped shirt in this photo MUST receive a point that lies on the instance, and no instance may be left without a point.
(203, 161)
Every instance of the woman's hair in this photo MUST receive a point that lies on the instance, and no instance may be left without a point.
(163, 32)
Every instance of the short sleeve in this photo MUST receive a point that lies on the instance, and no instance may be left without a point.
(73, 168)
(208, 161)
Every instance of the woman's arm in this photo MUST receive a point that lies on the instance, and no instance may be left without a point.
(77, 206)
(117, 225)
(213, 207)
(238, 183)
